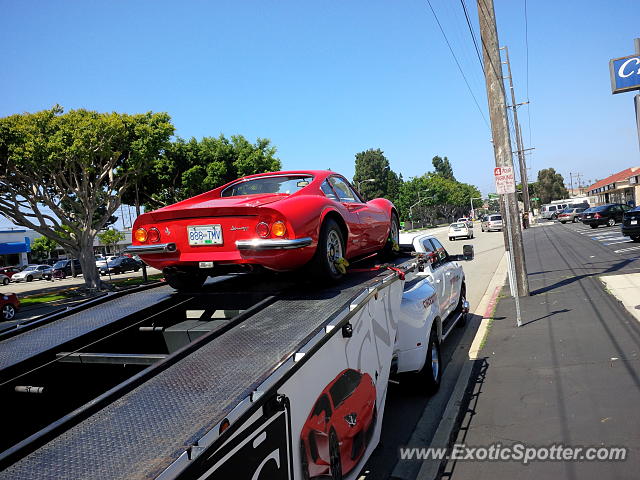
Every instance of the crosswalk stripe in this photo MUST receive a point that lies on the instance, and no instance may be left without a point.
(623, 250)
(626, 240)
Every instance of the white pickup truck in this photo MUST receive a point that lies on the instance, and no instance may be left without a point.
(434, 301)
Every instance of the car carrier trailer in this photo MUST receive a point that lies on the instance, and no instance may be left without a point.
(248, 378)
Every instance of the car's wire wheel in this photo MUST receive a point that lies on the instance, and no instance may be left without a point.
(8, 312)
(334, 250)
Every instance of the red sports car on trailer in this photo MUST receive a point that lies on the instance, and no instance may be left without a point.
(279, 220)
(339, 427)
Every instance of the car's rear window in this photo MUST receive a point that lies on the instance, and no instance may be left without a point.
(601, 208)
(284, 184)
(495, 218)
(459, 225)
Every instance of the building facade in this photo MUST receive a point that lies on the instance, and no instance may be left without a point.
(622, 187)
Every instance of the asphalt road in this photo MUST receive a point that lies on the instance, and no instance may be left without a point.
(404, 407)
(570, 375)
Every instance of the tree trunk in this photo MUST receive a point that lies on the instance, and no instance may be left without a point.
(88, 264)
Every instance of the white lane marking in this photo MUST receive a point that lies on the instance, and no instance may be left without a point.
(619, 241)
(623, 250)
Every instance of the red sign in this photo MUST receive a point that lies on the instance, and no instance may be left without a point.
(505, 180)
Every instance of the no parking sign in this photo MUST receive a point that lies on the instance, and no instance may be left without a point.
(505, 180)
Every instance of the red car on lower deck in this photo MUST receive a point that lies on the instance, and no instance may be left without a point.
(279, 220)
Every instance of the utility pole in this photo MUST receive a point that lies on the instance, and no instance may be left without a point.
(521, 160)
(571, 183)
(501, 138)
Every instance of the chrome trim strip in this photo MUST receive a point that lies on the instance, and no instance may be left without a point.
(151, 249)
(273, 244)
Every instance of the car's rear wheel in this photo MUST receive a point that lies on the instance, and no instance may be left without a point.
(575, 220)
(393, 241)
(460, 306)
(451, 239)
(185, 281)
(562, 222)
(8, 312)
(334, 456)
(611, 222)
(29, 278)
(5, 281)
(593, 226)
(325, 264)
(635, 238)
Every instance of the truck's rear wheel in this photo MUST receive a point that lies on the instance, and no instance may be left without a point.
(431, 373)
(185, 281)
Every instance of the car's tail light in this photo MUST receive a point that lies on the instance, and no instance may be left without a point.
(140, 235)
(278, 229)
(154, 235)
(262, 229)
(597, 215)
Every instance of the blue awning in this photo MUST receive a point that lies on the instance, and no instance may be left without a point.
(15, 247)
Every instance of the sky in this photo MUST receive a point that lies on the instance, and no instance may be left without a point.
(324, 80)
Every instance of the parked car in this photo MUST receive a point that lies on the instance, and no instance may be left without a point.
(9, 271)
(631, 224)
(491, 222)
(103, 260)
(570, 214)
(460, 230)
(4, 280)
(9, 305)
(120, 265)
(33, 272)
(62, 269)
(280, 221)
(339, 427)
(608, 214)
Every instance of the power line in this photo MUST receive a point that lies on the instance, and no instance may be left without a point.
(473, 35)
(458, 64)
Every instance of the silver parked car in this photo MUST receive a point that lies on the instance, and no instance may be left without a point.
(33, 272)
(491, 222)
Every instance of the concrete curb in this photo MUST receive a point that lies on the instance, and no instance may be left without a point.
(431, 469)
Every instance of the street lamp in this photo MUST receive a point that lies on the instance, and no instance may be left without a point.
(363, 181)
(472, 199)
(420, 200)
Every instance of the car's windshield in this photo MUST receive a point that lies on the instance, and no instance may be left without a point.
(59, 264)
(285, 184)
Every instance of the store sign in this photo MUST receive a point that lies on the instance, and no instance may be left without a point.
(625, 73)
(505, 180)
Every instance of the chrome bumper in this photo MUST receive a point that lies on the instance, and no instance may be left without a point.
(273, 244)
(150, 249)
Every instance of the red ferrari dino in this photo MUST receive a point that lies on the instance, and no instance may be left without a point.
(279, 220)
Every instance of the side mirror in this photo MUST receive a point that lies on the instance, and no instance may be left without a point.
(467, 252)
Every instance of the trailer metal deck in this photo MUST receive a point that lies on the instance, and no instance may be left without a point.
(148, 427)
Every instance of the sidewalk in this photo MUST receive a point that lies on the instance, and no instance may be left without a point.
(570, 375)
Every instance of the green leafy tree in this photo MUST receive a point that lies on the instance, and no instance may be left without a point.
(443, 167)
(550, 186)
(42, 247)
(111, 237)
(373, 176)
(188, 168)
(64, 174)
(433, 196)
